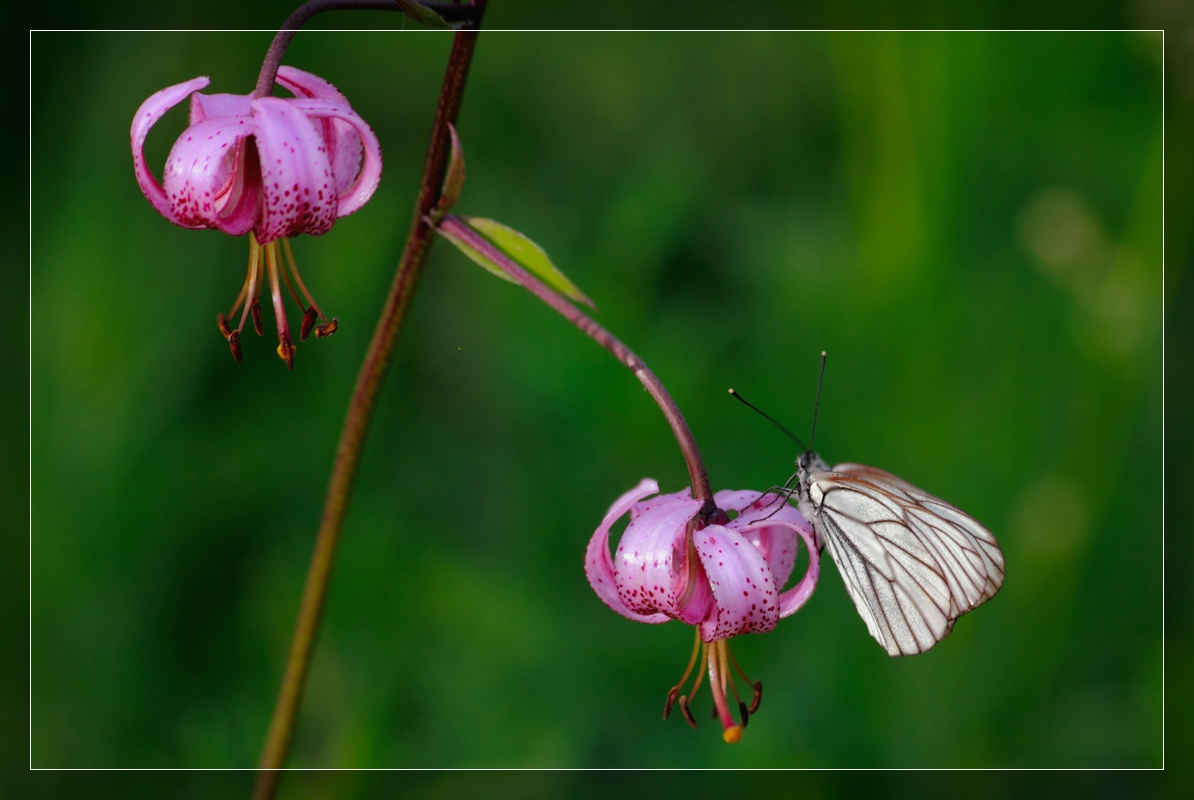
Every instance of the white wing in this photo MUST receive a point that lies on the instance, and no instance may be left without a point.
(911, 562)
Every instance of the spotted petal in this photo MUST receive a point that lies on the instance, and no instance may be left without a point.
(205, 185)
(355, 181)
(650, 564)
(296, 176)
(746, 597)
(345, 143)
(599, 567)
(149, 113)
(774, 527)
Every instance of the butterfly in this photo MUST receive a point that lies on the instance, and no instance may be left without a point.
(912, 563)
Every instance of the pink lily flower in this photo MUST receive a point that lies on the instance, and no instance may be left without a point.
(271, 167)
(725, 579)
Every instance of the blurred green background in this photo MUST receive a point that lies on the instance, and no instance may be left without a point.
(970, 225)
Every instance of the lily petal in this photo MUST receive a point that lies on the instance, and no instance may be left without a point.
(149, 113)
(296, 175)
(599, 567)
(355, 182)
(204, 186)
(792, 599)
(305, 84)
(650, 557)
(345, 149)
(205, 106)
(775, 531)
(747, 599)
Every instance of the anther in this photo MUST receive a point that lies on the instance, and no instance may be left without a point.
(758, 698)
(234, 343)
(743, 714)
(687, 712)
(671, 700)
(308, 323)
(225, 331)
(327, 329)
(255, 311)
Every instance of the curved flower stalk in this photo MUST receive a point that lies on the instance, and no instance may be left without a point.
(724, 579)
(268, 166)
(682, 555)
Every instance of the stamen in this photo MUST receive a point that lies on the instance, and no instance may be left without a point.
(290, 287)
(255, 310)
(686, 712)
(250, 290)
(309, 317)
(675, 690)
(244, 287)
(234, 343)
(756, 686)
(290, 263)
(671, 700)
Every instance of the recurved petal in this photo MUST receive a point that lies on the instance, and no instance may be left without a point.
(304, 84)
(352, 139)
(777, 539)
(149, 113)
(744, 591)
(203, 181)
(772, 524)
(599, 567)
(208, 106)
(650, 556)
(736, 500)
(296, 177)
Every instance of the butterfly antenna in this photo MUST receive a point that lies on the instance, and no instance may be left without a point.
(767, 417)
(817, 404)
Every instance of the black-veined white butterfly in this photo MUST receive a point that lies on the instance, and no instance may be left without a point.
(911, 562)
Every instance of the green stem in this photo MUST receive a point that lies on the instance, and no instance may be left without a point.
(357, 421)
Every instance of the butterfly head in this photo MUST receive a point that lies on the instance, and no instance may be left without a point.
(807, 463)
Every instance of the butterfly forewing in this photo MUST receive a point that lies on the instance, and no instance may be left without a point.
(911, 562)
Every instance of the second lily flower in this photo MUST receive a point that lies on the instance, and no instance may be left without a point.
(724, 579)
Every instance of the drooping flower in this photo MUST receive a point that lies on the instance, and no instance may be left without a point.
(271, 167)
(725, 579)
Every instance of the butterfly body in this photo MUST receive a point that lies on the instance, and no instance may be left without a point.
(911, 562)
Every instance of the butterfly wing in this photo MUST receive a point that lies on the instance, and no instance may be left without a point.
(911, 562)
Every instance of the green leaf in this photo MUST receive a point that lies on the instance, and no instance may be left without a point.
(525, 253)
(468, 249)
(423, 15)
